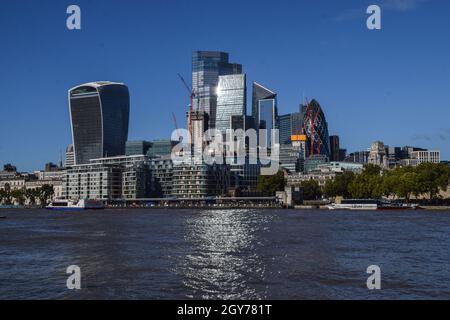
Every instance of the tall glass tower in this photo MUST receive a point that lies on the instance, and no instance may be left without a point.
(315, 127)
(99, 114)
(289, 124)
(207, 66)
(260, 94)
(231, 100)
(264, 109)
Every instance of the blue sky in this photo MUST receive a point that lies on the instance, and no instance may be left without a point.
(392, 85)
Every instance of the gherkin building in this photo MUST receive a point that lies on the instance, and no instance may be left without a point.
(315, 128)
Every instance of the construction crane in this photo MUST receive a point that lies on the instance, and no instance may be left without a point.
(192, 96)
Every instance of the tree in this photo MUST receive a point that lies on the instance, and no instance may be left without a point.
(2, 195)
(18, 195)
(339, 186)
(407, 184)
(432, 178)
(45, 193)
(368, 184)
(269, 185)
(9, 168)
(311, 190)
(31, 195)
(6, 194)
(372, 169)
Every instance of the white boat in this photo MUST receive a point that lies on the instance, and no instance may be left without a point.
(371, 204)
(354, 204)
(82, 204)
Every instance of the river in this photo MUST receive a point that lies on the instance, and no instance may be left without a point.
(224, 254)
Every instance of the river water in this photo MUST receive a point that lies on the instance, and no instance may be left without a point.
(224, 254)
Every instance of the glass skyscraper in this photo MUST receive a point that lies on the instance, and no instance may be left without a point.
(231, 100)
(262, 93)
(264, 110)
(99, 113)
(207, 66)
(290, 124)
(315, 127)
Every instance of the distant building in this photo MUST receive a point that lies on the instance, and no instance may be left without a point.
(199, 180)
(231, 100)
(243, 175)
(312, 162)
(242, 122)
(342, 154)
(200, 124)
(12, 180)
(315, 127)
(99, 113)
(288, 125)
(394, 155)
(161, 148)
(162, 176)
(261, 93)
(138, 147)
(322, 177)
(334, 148)
(111, 178)
(341, 167)
(358, 157)
(264, 110)
(408, 150)
(419, 157)
(378, 155)
(70, 157)
(207, 66)
(292, 157)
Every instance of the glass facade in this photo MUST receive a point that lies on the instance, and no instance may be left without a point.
(289, 124)
(207, 66)
(260, 93)
(99, 114)
(334, 148)
(267, 114)
(160, 148)
(315, 127)
(231, 100)
(139, 147)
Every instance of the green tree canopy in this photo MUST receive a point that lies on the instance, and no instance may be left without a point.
(269, 185)
(311, 190)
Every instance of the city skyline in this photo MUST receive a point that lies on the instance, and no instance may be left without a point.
(395, 80)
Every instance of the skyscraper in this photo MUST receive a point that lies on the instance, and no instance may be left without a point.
(315, 127)
(207, 66)
(334, 148)
(266, 97)
(70, 157)
(99, 114)
(289, 124)
(231, 100)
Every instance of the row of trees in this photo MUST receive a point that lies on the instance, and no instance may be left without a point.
(20, 196)
(427, 179)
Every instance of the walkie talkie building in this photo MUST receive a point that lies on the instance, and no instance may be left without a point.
(99, 115)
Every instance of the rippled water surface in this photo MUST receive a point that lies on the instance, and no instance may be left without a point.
(224, 254)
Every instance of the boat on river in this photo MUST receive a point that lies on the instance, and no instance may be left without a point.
(371, 204)
(82, 204)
